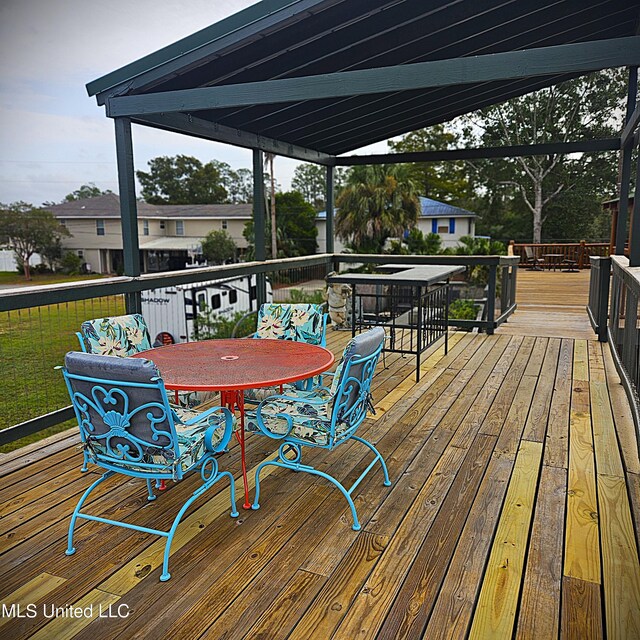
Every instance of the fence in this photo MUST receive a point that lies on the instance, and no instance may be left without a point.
(38, 324)
(570, 253)
(621, 324)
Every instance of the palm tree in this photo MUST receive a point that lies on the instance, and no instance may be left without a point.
(377, 202)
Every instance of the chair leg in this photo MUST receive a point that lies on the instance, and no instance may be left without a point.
(70, 548)
(378, 456)
(152, 496)
(194, 496)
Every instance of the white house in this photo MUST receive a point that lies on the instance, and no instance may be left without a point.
(169, 235)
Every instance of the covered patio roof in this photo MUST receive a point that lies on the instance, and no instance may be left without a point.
(312, 79)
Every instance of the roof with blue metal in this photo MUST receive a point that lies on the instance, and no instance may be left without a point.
(429, 209)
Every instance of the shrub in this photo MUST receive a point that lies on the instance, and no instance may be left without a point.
(208, 325)
(463, 310)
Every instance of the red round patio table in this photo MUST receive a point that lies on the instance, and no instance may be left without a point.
(231, 366)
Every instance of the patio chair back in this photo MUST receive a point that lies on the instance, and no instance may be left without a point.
(298, 322)
(351, 386)
(123, 412)
(529, 253)
(115, 336)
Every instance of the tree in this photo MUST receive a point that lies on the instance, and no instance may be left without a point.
(239, 186)
(218, 247)
(311, 181)
(295, 227)
(86, 191)
(377, 202)
(586, 107)
(183, 180)
(27, 230)
(448, 181)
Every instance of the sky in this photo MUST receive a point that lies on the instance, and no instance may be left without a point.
(53, 136)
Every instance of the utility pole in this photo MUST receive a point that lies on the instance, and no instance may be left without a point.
(274, 238)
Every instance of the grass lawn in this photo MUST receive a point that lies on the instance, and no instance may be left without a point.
(9, 278)
(32, 343)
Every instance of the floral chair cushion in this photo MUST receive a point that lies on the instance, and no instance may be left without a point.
(311, 421)
(117, 336)
(190, 441)
(299, 322)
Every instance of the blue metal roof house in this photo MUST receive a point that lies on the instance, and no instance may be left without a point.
(449, 222)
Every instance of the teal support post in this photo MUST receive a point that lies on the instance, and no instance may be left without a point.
(625, 167)
(259, 226)
(634, 236)
(128, 209)
(329, 209)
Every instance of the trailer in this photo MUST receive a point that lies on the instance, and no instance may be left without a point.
(170, 311)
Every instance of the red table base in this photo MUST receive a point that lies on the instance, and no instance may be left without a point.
(234, 399)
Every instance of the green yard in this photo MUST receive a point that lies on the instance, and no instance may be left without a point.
(32, 343)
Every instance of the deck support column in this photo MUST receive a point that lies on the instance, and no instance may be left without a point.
(329, 210)
(625, 167)
(634, 235)
(259, 226)
(491, 299)
(128, 209)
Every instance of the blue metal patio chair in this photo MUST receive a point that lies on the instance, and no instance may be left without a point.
(128, 427)
(297, 322)
(324, 417)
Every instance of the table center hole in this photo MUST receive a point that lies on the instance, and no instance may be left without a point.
(229, 357)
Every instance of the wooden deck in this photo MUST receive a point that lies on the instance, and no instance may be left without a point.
(514, 512)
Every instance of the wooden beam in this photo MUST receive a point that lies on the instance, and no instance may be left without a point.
(580, 146)
(193, 126)
(128, 208)
(625, 163)
(630, 127)
(544, 61)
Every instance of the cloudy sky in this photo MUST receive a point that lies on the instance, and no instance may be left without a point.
(53, 137)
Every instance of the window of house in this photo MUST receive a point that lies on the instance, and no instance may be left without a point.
(63, 222)
(162, 224)
(179, 227)
(100, 227)
(145, 227)
(443, 228)
(224, 224)
(80, 253)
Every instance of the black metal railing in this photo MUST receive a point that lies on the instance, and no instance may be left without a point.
(497, 275)
(38, 324)
(598, 306)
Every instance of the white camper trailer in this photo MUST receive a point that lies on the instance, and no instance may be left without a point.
(170, 311)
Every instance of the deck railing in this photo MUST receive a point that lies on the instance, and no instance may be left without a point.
(621, 324)
(577, 253)
(37, 324)
(598, 306)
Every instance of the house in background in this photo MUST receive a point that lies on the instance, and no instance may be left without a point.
(170, 235)
(449, 222)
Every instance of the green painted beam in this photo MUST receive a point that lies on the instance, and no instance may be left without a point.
(604, 144)
(630, 127)
(329, 206)
(199, 128)
(566, 58)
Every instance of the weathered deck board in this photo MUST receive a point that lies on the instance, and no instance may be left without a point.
(507, 438)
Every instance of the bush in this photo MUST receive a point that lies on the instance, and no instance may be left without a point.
(208, 325)
(298, 296)
(463, 310)
(71, 263)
